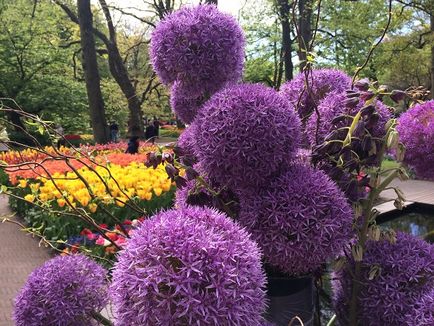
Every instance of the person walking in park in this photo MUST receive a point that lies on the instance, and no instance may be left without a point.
(133, 145)
(114, 132)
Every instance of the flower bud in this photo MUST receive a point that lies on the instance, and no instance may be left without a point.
(397, 95)
(362, 84)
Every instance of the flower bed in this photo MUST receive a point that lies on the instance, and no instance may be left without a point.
(110, 188)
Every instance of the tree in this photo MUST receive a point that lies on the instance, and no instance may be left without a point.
(284, 10)
(91, 73)
(34, 69)
(304, 30)
(116, 62)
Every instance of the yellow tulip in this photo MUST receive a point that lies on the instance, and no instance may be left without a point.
(93, 207)
(29, 198)
(23, 183)
(158, 191)
(61, 202)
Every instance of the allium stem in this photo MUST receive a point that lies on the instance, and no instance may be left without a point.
(101, 319)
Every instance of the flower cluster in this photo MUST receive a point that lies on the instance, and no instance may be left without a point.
(244, 134)
(416, 131)
(189, 266)
(199, 47)
(306, 90)
(301, 219)
(123, 183)
(334, 106)
(66, 290)
(91, 239)
(395, 276)
(423, 313)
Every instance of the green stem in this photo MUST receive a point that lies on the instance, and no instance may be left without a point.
(101, 319)
(332, 321)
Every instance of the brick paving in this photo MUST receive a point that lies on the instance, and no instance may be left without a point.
(19, 255)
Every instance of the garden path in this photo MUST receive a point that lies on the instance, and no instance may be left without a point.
(415, 191)
(19, 255)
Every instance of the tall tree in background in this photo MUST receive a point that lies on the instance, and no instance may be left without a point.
(117, 65)
(284, 10)
(304, 30)
(91, 73)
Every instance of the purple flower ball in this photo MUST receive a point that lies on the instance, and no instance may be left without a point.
(423, 313)
(63, 291)
(406, 275)
(191, 266)
(416, 132)
(187, 144)
(246, 133)
(333, 106)
(183, 105)
(200, 47)
(301, 219)
(320, 81)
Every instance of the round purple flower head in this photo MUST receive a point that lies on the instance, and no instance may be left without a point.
(63, 291)
(320, 82)
(200, 47)
(332, 106)
(244, 134)
(406, 274)
(416, 132)
(183, 105)
(189, 267)
(301, 219)
(423, 313)
(186, 146)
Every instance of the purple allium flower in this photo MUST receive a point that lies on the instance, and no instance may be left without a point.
(303, 156)
(406, 274)
(416, 132)
(63, 291)
(320, 82)
(332, 106)
(423, 313)
(301, 219)
(200, 47)
(183, 105)
(244, 134)
(187, 144)
(191, 266)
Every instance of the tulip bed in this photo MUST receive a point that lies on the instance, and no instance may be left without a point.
(113, 188)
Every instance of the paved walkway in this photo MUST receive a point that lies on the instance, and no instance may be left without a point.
(19, 255)
(415, 191)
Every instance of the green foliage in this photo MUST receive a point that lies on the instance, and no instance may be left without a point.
(56, 226)
(36, 60)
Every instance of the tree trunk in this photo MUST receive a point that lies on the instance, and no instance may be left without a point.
(91, 73)
(214, 2)
(284, 11)
(120, 74)
(432, 55)
(305, 8)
